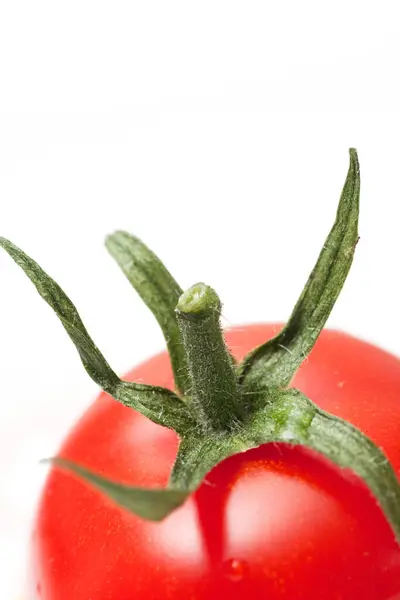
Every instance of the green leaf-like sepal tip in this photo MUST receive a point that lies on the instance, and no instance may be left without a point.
(158, 290)
(224, 408)
(158, 404)
(274, 363)
(151, 504)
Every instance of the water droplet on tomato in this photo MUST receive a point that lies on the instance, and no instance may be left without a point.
(235, 569)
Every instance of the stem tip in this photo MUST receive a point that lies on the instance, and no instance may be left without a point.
(198, 302)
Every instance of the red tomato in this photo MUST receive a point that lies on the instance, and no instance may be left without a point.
(275, 522)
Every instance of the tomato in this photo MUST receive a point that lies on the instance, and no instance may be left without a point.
(274, 522)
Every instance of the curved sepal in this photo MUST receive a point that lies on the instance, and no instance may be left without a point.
(158, 290)
(293, 419)
(150, 504)
(92, 359)
(274, 363)
(158, 404)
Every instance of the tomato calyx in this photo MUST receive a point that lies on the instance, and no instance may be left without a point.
(220, 408)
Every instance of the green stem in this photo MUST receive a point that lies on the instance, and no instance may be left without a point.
(214, 390)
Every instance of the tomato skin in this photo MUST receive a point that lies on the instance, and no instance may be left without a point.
(274, 522)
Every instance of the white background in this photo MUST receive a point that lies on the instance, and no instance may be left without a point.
(216, 131)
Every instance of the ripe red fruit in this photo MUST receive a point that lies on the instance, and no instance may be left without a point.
(273, 522)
